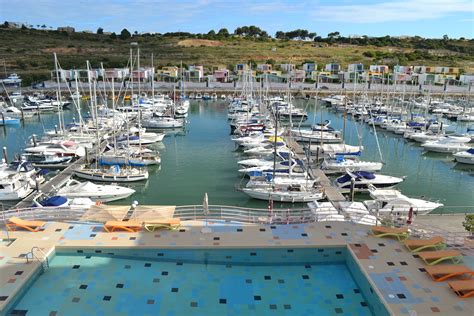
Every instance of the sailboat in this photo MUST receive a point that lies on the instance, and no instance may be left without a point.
(290, 191)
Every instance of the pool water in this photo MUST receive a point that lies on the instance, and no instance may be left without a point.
(100, 284)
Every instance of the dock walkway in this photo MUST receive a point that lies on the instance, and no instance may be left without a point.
(63, 176)
(332, 194)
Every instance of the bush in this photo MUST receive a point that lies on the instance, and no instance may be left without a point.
(468, 223)
(368, 54)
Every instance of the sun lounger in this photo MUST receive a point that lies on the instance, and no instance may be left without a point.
(32, 226)
(434, 257)
(383, 231)
(172, 223)
(462, 288)
(129, 226)
(416, 245)
(443, 272)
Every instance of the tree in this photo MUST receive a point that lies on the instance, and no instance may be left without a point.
(280, 35)
(113, 36)
(24, 27)
(211, 33)
(100, 30)
(312, 35)
(125, 34)
(223, 32)
(334, 35)
(445, 37)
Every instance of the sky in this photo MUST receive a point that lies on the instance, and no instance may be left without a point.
(426, 18)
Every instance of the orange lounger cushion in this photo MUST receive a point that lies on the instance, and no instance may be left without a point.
(33, 226)
(130, 226)
(445, 271)
(462, 288)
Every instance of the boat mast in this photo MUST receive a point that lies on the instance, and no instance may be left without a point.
(139, 107)
(78, 106)
(58, 94)
(113, 116)
(152, 81)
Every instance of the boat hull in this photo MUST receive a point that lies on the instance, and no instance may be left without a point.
(110, 178)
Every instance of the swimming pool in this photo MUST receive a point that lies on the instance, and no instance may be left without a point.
(282, 281)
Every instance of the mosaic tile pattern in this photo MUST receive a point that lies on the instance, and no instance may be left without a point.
(100, 285)
(381, 267)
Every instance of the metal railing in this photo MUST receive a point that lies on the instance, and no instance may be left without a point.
(44, 262)
(244, 215)
(186, 212)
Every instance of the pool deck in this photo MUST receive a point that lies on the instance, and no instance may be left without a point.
(393, 272)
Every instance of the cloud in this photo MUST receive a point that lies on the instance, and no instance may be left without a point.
(392, 11)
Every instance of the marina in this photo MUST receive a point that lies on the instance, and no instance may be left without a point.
(183, 150)
(219, 173)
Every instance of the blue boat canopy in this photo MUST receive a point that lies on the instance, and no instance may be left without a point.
(471, 151)
(56, 200)
(365, 175)
(255, 174)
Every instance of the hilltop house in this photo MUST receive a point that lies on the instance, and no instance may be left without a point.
(239, 68)
(310, 67)
(355, 68)
(118, 74)
(467, 78)
(273, 76)
(287, 67)
(333, 68)
(297, 75)
(265, 68)
(221, 75)
(169, 73)
(143, 74)
(194, 73)
(73, 74)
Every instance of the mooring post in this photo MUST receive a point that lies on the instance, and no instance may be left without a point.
(5, 156)
(352, 189)
(34, 140)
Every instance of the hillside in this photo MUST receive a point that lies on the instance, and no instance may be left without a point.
(29, 52)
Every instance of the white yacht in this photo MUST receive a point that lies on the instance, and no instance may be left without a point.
(163, 122)
(58, 148)
(95, 192)
(13, 187)
(387, 201)
(363, 178)
(448, 144)
(466, 157)
(114, 174)
(291, 194)
(340, 164)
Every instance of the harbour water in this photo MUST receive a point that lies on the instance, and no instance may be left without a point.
(203, 159)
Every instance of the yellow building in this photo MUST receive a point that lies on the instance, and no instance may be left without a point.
(168, 72)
